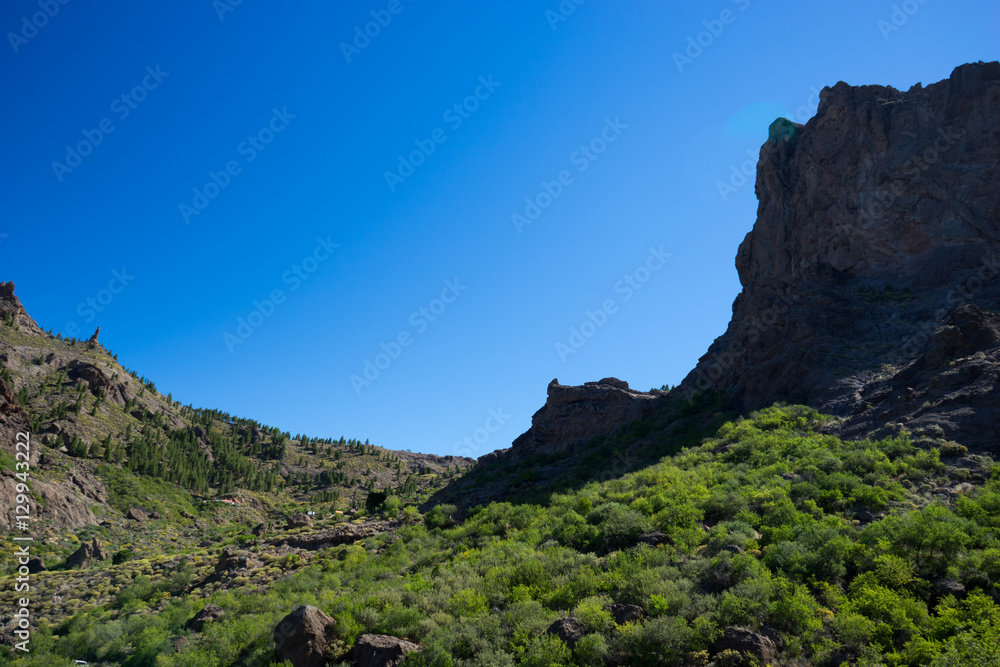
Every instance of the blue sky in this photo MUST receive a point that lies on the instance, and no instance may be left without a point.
(281, 195)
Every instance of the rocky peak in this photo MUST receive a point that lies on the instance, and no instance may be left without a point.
(10, 306)
(876, 220)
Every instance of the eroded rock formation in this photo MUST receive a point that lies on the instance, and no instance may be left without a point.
(572, 415)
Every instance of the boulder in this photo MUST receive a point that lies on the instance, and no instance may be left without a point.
(655, 539)
(136, 514)
(626, 613)
(231, 559)
(745, 641)
(943, 587)
(98, 550)
(381, 651)
(210, 613)
(569, 629)
(303, 637)
(80, 558)
(298, 520)
(259, 529)
(35, 565)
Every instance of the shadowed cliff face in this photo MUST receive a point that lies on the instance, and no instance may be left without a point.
(870, 278)
(572, 415)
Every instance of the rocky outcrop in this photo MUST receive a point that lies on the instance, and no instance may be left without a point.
(135, 514)
(381, 651)
(10, 307)
(98, 550)
(573, 415)
(13, 420)
(232, 558)
(97, 380)
(303, 637)
(81, 558)
(875, 256)
(93, 339)
(62, 505)
(210, 613)
(343, 534)
(298, 520)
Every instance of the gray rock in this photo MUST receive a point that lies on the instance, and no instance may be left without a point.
(570, 630)
(747, 641)
(303, 637)
(381, 651)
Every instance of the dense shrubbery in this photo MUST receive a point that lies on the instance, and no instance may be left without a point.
(832, 544)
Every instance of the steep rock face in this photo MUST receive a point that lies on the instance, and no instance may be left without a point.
(572, 415)
(877, 236)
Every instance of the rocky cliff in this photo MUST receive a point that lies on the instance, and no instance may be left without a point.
(870, 276)
(870, 286)
(572, 415)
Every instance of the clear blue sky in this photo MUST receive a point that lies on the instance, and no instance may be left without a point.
(267, 92)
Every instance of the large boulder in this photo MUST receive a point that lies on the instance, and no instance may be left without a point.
(136, 514)
(298, 520)
(381, 651)
(746, 641)
(303, 637)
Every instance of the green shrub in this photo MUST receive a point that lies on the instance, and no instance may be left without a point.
(547, 651)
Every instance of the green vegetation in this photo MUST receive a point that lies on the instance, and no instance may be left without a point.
(840, 547)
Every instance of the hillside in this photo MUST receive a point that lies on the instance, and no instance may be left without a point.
(106, 442)
(770, 542)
